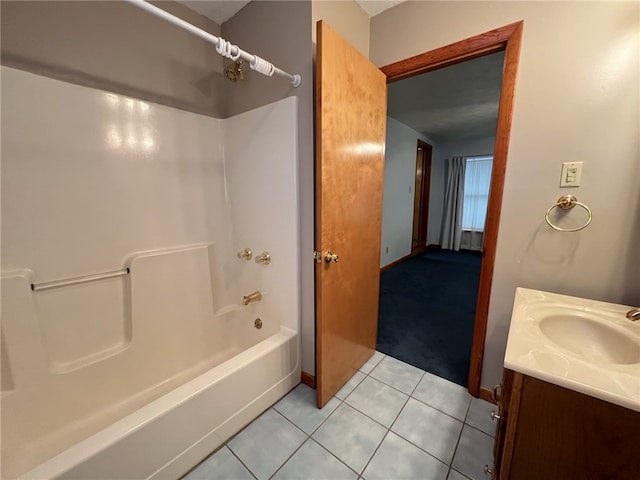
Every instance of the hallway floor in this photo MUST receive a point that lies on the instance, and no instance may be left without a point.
(390, 421)
(427, 312)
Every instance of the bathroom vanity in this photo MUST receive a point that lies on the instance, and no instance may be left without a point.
(550, 432)
(569, 402)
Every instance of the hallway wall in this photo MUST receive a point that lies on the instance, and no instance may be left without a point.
(399, 180)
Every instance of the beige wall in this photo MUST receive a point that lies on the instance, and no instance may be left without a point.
(279, 31)
(118, 47)
(345, 17)
(576, 99)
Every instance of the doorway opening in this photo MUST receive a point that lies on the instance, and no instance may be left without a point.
(507, 39)
(428, 300)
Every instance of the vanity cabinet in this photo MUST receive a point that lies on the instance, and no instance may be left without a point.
(547, 432)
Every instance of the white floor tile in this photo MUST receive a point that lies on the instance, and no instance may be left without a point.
(372, 362)
(267, 443)
(377, 400)
(474, 451)
(428, 428)
(398, 459)
(479, 416)
(222, 464)
(312, 462)
(399, 375)
(453, 475)
(444, 395)
(350, 436)
(300, 407)
(350, 385)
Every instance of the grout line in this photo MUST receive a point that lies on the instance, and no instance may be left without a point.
(290, 421)
(466, 415)
(374, 452)
(436, 408)
(459, 473)
(241, 462)
(335, 456)
(352, 390)
(340, 402)
(481, 431)
(455, 450)
(289, 458)
(413, 390)
(422, 449)
(405, 404)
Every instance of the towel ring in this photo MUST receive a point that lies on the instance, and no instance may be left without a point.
(567, 202)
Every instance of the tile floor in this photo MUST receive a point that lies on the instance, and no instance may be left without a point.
(390, 421)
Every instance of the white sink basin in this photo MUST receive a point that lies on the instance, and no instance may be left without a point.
(583, 345)
(590, 338)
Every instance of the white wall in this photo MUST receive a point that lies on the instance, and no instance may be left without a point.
(88, 177)
(442, 151)
(576, 99)
(118, 47)
(345, 17)
(399, 184)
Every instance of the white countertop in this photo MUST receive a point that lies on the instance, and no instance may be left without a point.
(531, 352)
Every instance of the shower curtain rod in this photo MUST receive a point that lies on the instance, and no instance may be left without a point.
(223, 47)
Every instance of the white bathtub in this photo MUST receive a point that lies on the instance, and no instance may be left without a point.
(169, 436)
(163, 385)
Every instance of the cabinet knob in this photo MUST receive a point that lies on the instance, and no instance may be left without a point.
(494, 416)
(487, 470)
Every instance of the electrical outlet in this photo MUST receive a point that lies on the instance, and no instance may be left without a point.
(386, 250)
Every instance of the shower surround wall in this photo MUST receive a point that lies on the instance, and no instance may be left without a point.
(94, 182)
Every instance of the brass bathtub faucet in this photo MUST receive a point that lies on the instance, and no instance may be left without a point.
(252, 297)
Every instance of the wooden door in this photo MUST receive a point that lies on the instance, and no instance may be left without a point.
(351, 104)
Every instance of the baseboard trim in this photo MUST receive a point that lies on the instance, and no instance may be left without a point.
(487, 395)
(308, 379)
(393, 264)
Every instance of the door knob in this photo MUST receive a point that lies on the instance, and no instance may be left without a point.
(330, 257)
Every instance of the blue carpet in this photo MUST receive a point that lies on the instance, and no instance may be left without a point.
(427, 312)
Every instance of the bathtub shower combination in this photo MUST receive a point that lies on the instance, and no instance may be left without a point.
(138, 334)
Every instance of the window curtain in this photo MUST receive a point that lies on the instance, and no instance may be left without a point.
(454, 197)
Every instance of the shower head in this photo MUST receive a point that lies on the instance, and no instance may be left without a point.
(233, 71)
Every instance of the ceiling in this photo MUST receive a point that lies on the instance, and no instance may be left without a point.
(219, 11)
(459, 102)
(374, 7)
(222, 10)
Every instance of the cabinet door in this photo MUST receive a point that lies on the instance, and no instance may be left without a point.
(507, 406)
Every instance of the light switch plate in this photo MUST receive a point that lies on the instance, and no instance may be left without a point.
(571, 174)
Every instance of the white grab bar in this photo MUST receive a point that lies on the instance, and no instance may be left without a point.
(75, 280)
